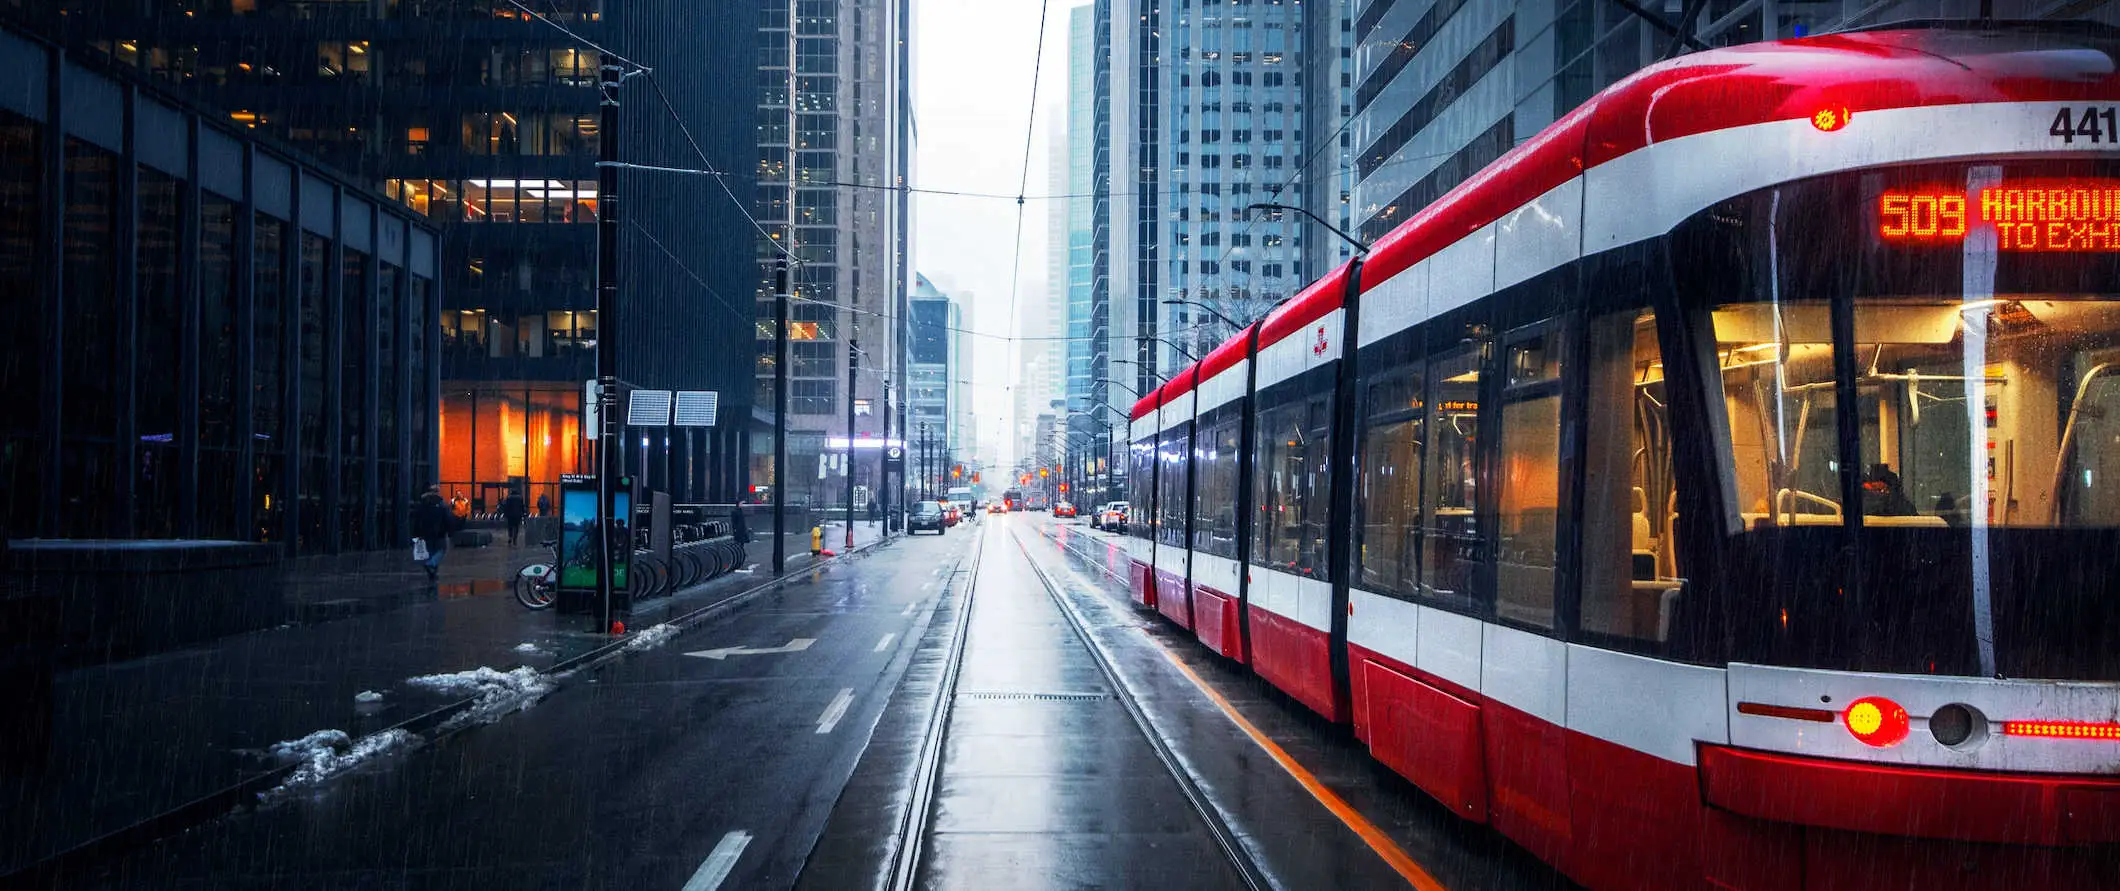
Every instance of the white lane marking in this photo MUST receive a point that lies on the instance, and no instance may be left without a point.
(926, 585)
(794, 645)
(885, 643)
(835, 711)
(909, 608)
(715, 869)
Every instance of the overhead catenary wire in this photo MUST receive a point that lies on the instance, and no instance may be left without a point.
(1030, 122)
(720, 178)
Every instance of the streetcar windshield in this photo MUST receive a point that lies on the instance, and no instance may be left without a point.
(1918, 433)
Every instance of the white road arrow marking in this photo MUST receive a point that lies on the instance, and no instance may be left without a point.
(796, 645)
(715, 869)
(835, 711)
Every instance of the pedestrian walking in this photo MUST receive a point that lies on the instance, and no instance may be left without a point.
(737, 529)
(432, 522)
(513, 510)
(544, 505)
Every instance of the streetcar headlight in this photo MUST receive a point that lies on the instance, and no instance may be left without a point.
(1956, 724)
(1876, 721)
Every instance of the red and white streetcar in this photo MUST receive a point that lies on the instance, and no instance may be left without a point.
(1713, 492)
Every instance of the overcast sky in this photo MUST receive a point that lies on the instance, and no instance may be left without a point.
(972, 64)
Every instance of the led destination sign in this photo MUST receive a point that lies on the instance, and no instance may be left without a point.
(2075, 215)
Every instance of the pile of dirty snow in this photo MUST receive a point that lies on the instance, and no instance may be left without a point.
(328, 753)
(495, 693)
(650, 638)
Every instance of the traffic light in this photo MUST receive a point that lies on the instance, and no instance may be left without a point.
(1063, 487)
(975, 476)
(1041, 473)
(957, 472)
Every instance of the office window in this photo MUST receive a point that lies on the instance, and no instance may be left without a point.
(268, 377)
(355, 351)
(313, 451)
(22, 345)
(158, 357)
(90, 313)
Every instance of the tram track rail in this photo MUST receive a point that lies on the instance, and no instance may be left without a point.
(1241, 860)
(912, 828)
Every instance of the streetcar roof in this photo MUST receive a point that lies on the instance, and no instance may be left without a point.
(1717, 89)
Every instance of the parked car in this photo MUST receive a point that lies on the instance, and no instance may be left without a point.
(1113, 517)
(1064, 509)
(927, 515)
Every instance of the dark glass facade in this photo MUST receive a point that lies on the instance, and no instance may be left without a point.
(160, 257)
(486, 122)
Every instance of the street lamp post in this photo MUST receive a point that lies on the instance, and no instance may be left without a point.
(853, 358)
(780, 414)
(1174, 301)
(608, 466)
(1359, 247)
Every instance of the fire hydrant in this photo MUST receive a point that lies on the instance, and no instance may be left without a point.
(816, 540)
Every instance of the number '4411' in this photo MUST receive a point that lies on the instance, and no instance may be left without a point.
(2094, 124)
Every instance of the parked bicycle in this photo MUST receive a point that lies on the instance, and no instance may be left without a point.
(537, 585)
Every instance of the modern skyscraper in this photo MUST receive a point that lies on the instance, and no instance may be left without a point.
(1217, 127)
(485, 120)
(829, 164)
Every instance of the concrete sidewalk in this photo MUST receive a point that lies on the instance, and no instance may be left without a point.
(135, 740)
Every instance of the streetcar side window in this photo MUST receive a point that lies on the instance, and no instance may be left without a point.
(1215, 483)
(1141, 481)
(1631, 581)
(1388, 532)
(1452, 543)
(1527, 503)
(1291, 455)
(1776, 361)
(1173, 503)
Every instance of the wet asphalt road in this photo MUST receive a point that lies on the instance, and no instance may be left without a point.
(629, 778)
(793, 767)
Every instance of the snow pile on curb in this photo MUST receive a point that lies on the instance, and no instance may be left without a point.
(367, 696)
(328, 753)
(527, 647)
(494, 693)
(650, 638)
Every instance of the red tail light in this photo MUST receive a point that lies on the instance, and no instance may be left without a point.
(1876, 721)
(2063, 729)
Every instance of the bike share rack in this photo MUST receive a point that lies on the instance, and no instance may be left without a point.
(699, 550)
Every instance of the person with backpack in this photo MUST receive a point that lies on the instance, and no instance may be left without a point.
(432, 523)
(513, 509)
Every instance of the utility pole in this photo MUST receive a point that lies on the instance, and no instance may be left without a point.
(853, 356)
(883, 467)
(780, 414)
(608, 468)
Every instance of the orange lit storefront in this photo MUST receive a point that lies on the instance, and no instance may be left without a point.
(502, 435)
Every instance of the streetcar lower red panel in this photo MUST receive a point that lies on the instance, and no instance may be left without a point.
(1421, 731)
(1140, 582)
(1296, 658)
(1171, 600)
(1216, 622)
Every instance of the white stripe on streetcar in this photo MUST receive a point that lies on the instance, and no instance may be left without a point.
(835, 711)
(715, 869)
(885, 643)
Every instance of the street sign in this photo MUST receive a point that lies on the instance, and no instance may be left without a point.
(894, 459)
(649, 408)
(698, 408)
(589, 410)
